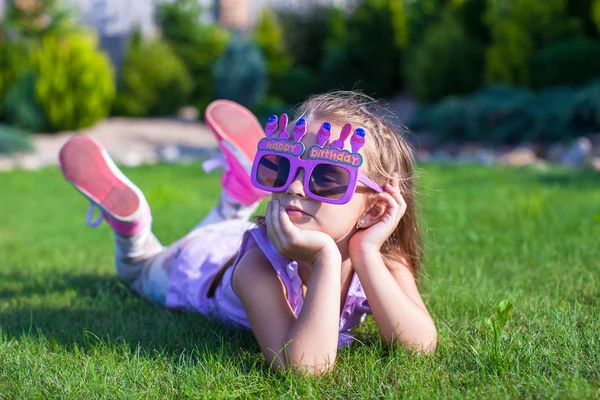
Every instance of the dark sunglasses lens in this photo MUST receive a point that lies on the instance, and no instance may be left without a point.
(329, 181)
(273, 171)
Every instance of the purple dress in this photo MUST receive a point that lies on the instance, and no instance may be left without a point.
(204, 251)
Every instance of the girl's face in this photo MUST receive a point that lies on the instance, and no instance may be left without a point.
(337, 220)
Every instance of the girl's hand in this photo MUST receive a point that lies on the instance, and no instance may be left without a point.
(293, 242)
(372, 238)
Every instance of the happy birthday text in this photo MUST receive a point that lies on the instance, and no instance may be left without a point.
(281, 146)
(335, 155)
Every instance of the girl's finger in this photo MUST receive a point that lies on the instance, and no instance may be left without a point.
(275, 215)
(277, 238)
(391, 189)
(288, 229)
(271, 232)
(401, 202)
(390, 202)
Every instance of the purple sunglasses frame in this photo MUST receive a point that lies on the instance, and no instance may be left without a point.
(296, 162)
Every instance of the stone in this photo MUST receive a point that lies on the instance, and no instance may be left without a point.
(420, 141)
(475, 154)
(422, 156)
(595, 164)
(595, 138)
(131, 159)
(170, 153)
(6, 163)
(485, 156)
(555, 153)
(577, 154)
(441, 156)
(519, 157)
(188, 113)
(27, 161)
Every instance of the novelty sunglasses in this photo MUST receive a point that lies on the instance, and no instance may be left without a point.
(330, 172)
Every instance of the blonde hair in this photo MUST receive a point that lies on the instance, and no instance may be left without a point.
(386, 152)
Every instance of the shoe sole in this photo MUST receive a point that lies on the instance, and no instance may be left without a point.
(235, 123)
(83, 164)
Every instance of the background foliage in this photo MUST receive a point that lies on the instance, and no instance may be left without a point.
(152, 88)
(197, 44)
(434, 50)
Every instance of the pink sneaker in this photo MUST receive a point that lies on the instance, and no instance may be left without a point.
(89, 168)
(238, 132)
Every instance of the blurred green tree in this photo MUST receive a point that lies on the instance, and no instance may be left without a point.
(446, 62)
(268, 34)
(198, 45)
(308, 36)
(596, 13)
(13, 61)
(570, 62)
(151, 88)
(75, 84)
(30, 20)
(369, 57)
(582, 10)
(241, 72)
(517, 29)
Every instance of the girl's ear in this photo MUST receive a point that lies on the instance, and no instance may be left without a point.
(372, 215)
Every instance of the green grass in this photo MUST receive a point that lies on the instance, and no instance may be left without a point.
(69, 329)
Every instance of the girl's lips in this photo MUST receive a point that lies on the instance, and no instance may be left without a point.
(294, 212)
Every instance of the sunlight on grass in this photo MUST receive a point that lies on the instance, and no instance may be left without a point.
(510, 277)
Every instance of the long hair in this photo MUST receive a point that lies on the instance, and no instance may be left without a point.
(386, 151)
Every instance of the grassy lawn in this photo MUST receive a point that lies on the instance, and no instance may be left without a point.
(68, 328)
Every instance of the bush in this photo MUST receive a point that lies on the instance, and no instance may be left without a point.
(198, 45)
(446, 62)
(20, 106)
(508, 115)
(37, 19)
(240, 74)
(13, 139)
(158, 87)
(587, 108)
(74, 85)
(13, 59)
(571, 62)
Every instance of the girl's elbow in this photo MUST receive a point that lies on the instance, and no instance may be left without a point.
(303, 367)
(424, 342)
(429, 345)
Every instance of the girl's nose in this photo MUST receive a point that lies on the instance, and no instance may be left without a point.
(296, 188)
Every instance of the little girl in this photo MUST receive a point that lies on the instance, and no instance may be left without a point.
(339, 239)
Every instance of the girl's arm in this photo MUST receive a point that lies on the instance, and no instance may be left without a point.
(310, 341)
(397, 307)
(391, 290)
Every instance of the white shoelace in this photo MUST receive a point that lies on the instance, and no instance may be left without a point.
(90, 214)
(217, 161)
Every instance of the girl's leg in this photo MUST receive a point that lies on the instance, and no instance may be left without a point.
(238, 132)
(141, 260)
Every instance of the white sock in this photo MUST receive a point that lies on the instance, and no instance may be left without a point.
(226, 209)
(137, 245)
